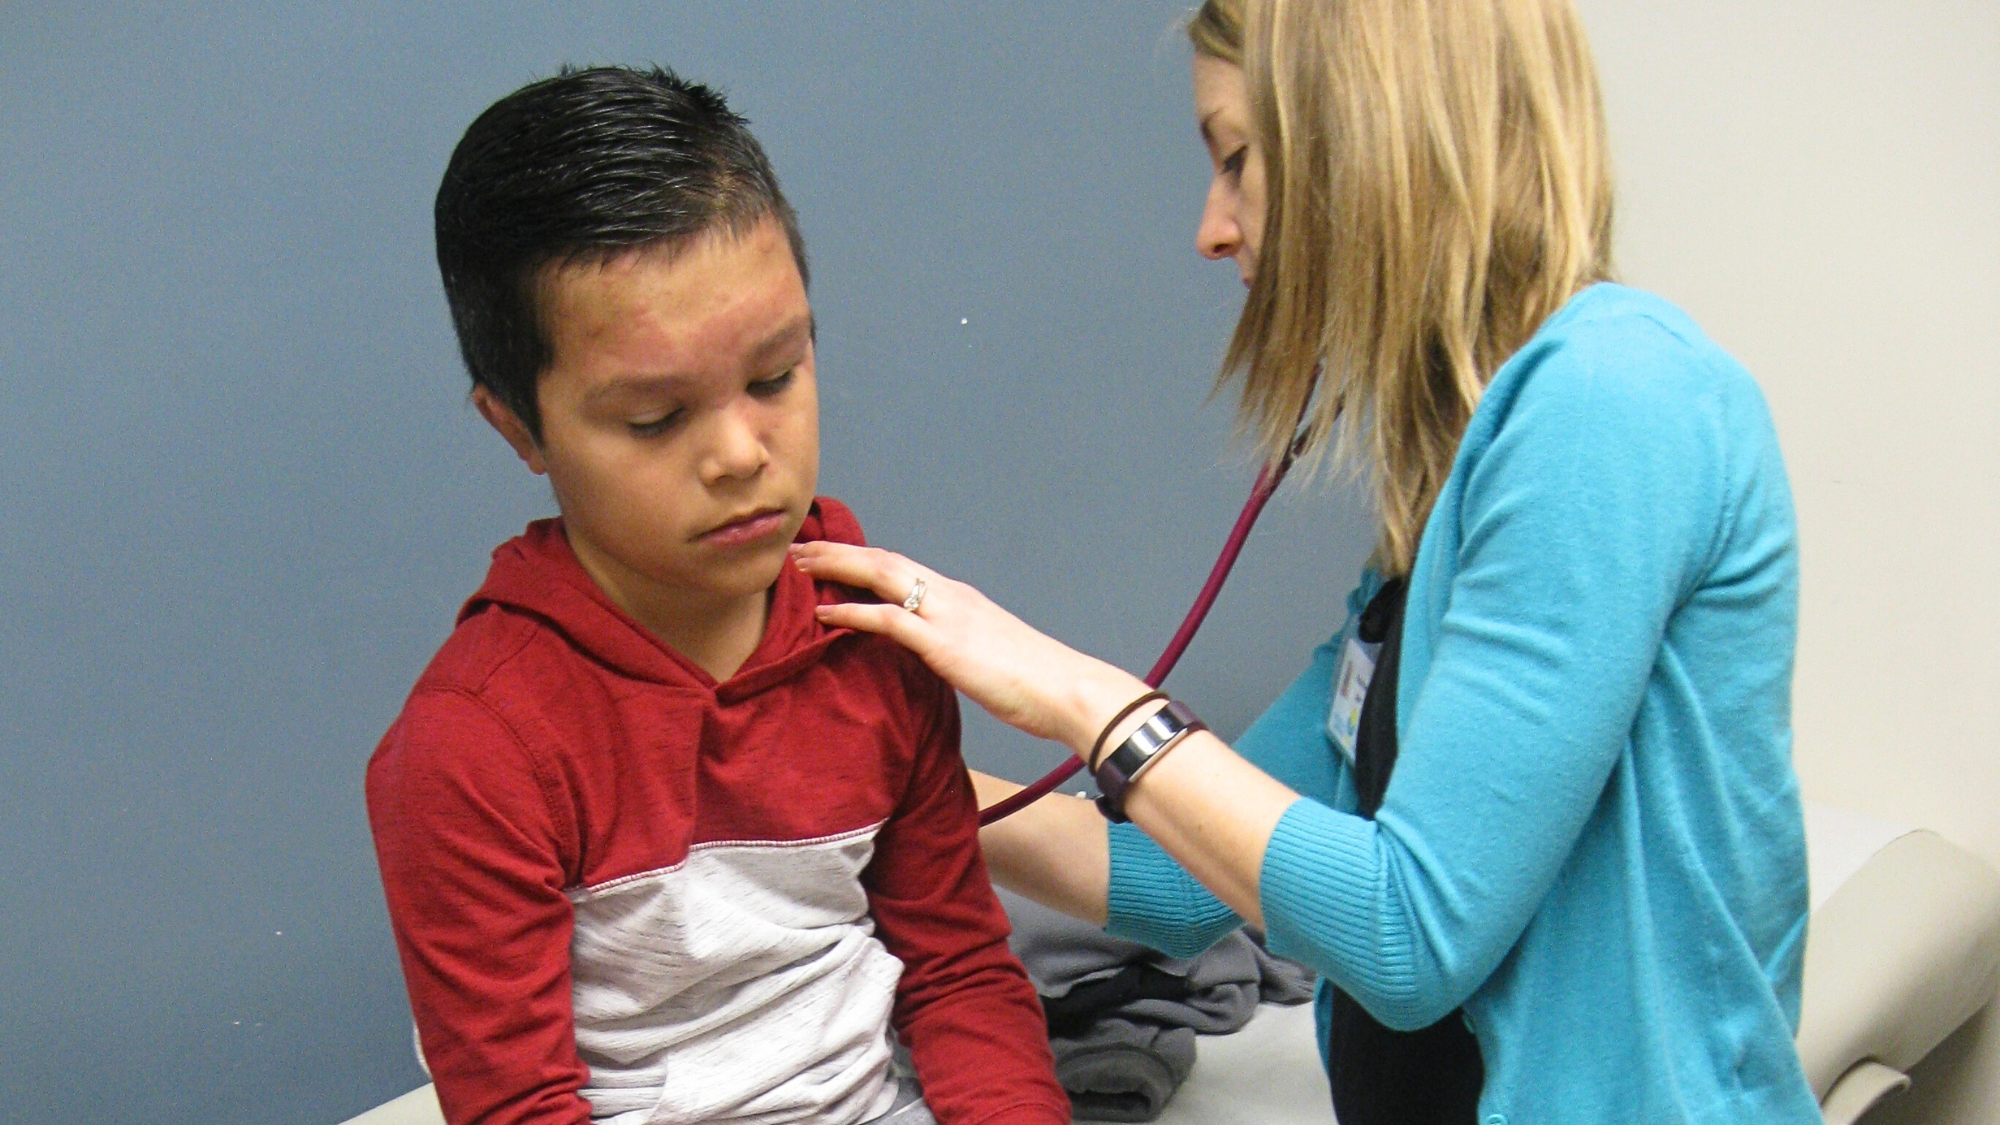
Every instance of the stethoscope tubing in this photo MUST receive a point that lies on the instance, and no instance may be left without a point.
(1260, 494)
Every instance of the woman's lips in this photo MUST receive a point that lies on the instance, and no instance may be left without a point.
(750, 529)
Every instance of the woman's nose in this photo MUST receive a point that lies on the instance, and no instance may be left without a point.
(1218, 237)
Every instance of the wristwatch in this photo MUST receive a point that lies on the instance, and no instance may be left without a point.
(1117, 770)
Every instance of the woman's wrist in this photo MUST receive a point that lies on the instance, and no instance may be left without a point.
(1096, 699)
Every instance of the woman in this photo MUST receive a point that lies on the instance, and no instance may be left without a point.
(1549, 859)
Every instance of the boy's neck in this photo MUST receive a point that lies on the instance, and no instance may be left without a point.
(718, 643)
(718, 634)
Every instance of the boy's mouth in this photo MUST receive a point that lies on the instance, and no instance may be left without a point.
(746, 529)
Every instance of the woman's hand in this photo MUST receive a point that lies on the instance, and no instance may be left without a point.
(1025, 678)
(1211, 810)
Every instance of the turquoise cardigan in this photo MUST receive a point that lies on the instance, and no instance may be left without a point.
(1592, 841)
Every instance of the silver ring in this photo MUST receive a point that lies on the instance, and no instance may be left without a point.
(916, 597)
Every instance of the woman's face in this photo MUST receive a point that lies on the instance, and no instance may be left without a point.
(1232, 220)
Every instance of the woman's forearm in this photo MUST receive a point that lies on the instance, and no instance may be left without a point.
(1054, 851)
(1214, 813)
(1207, 807)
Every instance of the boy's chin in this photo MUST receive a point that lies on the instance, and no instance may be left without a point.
(754, 573)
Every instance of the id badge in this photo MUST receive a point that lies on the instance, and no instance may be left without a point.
(1350, 690)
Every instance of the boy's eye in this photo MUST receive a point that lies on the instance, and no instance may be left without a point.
(765, 388)
(656, 426)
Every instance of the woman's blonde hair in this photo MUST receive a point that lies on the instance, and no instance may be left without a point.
(1437, 185)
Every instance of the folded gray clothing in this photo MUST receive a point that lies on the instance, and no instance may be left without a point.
(1119, 1070)
(1219, 990)
(1122, 1017)
(1283, 981)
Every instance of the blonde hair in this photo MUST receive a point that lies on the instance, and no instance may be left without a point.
(1438, 185)
(1216, 30)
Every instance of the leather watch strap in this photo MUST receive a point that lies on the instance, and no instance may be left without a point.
(1125, 762)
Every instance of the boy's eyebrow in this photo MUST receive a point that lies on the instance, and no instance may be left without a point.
(641, 383)
(793, 335)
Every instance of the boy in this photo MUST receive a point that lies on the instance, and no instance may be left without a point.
(657, 845)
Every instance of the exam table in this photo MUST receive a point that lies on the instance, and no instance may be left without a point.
(1903, 947)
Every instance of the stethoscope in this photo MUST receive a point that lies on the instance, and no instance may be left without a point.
(1260, 494)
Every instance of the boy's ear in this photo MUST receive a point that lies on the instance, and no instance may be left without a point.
(502, 418)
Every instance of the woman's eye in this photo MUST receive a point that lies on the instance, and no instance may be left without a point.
(1232, 165)
(765, 388)
(656, 426)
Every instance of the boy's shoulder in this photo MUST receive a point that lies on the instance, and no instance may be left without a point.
(508, 667)
(482, 646)
(509, 619)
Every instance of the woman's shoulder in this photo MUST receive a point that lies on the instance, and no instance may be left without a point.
(1621, 419)
(1623, 368)
(1624, 344)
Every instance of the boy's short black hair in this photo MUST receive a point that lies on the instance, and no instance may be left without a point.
(581, 167)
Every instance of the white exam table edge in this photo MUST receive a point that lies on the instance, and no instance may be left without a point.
(1903, 947)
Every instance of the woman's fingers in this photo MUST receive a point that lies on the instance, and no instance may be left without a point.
(885, 574)
(981, 649)
(892, 621)
(1026, 679)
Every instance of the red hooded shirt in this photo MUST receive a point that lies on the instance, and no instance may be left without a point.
(618, 886)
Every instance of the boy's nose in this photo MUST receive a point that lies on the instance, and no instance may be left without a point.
(737, 446)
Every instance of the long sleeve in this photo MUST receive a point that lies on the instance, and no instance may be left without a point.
(469, 857)
(1153, 899)
(964, 1006)
(1593, 506)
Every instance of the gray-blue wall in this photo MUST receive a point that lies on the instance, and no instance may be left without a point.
(241, 493)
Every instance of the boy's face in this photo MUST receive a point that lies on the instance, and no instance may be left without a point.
(680, 419)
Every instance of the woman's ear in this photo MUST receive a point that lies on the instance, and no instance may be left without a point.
(502, 418)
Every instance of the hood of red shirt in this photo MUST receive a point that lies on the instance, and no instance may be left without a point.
(537, 574)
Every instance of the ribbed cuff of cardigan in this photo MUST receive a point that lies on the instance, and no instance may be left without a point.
(1325, 900)
(1154, 901)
